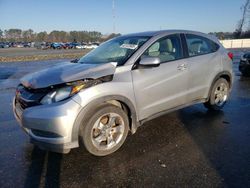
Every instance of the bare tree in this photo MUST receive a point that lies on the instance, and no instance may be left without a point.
(245, 18)
(28, 35)
(18, 35)
(41, 36)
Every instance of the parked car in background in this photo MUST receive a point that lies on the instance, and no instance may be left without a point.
(91, 46)
(95, 44)
(87, 46)
(47, 45)
(4, 45)
(80, 47)
(13, 44)
(19, 45)
(7, 44)
(120, 85)
(73, 44)
(56, 45)
(26, 44)
(244, 66)
(64, 45)
(42, 45)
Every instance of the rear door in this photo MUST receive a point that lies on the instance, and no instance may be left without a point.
(164, 87)
(203, 63)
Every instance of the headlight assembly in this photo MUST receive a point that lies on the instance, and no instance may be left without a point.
(70, 89)
(61, 93)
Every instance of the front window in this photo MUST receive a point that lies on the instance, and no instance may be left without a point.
(166, 49)
(116, 50)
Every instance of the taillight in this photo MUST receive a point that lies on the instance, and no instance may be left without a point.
(230, 55)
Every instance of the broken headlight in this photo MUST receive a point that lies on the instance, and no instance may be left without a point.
(61, 93)
(71, 89)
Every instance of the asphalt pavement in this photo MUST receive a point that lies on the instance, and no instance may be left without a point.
(191, 147)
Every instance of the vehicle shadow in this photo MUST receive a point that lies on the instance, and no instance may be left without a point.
(219, 136)
(43, 164)
(161, 153)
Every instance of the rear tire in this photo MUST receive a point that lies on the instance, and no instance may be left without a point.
(104, 129)
(219, 95)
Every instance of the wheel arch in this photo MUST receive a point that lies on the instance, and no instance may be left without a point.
(224, 74)
(125, 104)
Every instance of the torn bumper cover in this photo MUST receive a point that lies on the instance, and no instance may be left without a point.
(49, 126)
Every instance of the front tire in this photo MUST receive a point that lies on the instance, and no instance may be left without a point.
(219, 95)
(105, 129)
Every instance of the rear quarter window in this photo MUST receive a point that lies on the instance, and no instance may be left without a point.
(214, 45)
(198, 45)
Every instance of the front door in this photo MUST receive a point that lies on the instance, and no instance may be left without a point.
(161, 88)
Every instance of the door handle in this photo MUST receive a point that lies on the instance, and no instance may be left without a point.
(182, 67)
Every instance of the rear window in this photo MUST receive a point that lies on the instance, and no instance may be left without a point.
(198, 45)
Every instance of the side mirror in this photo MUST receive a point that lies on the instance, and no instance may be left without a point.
(149, 62)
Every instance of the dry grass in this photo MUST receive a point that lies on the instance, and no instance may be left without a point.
(19, 55)
(40, 57)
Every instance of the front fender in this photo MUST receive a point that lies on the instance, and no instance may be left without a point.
(96, 102)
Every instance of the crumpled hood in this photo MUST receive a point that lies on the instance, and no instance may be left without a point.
(67, 72)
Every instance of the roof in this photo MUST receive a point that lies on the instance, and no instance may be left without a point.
(165, 32)
(154, 33)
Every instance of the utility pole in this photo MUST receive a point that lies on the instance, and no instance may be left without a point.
(113, 12)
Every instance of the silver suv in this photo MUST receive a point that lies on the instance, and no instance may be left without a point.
(120, 85)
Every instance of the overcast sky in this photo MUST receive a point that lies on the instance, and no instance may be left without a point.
(130, 15)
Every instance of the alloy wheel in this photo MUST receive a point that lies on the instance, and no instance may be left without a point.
(107, 131)
(221, 94)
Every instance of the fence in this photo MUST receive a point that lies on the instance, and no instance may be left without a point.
(236, 43)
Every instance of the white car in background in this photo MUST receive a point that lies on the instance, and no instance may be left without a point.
(91, 46)
(80, 47)
(87, 46)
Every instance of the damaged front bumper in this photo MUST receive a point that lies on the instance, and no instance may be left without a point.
(49, 126)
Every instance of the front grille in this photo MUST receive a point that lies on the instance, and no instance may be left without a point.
(27, 98)
(22, 104)
(19, 110)
(26, 104)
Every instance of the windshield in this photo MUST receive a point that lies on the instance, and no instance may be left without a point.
(115, 50)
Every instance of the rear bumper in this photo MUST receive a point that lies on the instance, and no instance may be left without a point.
(50, 126)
